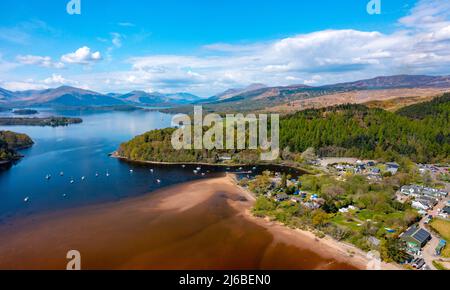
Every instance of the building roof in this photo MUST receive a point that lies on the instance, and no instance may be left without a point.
(446, 209)
(418, 234)
(422, 236)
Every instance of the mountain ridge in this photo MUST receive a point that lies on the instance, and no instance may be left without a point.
(255, 96)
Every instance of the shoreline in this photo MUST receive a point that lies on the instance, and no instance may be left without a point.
(341, 250)
(116, 156)
(213, 214)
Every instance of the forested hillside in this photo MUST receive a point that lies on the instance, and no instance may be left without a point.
(433, 108)
(357, 131)
(10, 142)
(419, 132)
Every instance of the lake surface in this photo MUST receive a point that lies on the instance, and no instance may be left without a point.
(77, 151)
(82, 150)
(125, 233)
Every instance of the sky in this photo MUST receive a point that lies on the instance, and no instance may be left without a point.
(207, 46)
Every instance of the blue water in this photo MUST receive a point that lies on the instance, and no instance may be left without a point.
(82, 150)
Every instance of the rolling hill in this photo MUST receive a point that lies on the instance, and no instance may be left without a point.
(67, 96)
(256, 97)
(299, 97)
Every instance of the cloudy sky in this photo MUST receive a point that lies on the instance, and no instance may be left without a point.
(204, 47)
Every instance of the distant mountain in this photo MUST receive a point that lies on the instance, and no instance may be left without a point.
(64, 96)
(262, 98)
(254, 97)
(230, 93)
(75, 97)
(5, 95)
(398, 81)
(143, 98)
(183, 98)
(157, 99)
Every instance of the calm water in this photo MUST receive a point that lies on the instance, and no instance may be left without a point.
(82, 150)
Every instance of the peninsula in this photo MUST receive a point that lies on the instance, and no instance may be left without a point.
(44, 122)
(10, 142)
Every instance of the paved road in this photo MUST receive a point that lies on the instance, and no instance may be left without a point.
(429, 251)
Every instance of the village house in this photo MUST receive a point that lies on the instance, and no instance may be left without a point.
(281, 197)
(415, 238)
(419, 191)
(392, 167)
(348, 209)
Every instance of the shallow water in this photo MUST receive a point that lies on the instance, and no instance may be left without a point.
(79, 151)
(209, 236)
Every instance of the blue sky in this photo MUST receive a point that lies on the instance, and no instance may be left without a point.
(208, 46)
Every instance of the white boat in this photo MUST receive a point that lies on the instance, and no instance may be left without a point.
(184, 166)
(159, 181)
(203, 174)
(48, 176)
(64, 195)
(131, 171)
(83, 178)
(72, 181)
(195, 171)
(199, 168)
(151, 170)
(26, 199)
(96, 174)
(61, 173)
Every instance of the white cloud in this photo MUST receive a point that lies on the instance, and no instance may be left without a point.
(419, 44)
(126, 24)
(57, 79)
(43, 61)
(23, 86)
(82, 55)
(116, 39)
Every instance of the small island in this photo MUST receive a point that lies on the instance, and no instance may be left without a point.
(10, 142)
(25, 112)
(48, 121)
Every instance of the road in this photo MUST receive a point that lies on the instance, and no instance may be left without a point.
(429, 251)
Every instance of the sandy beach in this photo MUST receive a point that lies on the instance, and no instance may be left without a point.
(203, 224)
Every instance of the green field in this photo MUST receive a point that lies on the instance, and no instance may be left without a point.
(443, 228)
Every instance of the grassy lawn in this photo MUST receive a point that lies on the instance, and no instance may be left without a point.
(339, 219)
(439, 266)
(443, 228)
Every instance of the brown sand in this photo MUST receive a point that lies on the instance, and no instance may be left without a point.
(198, 225)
